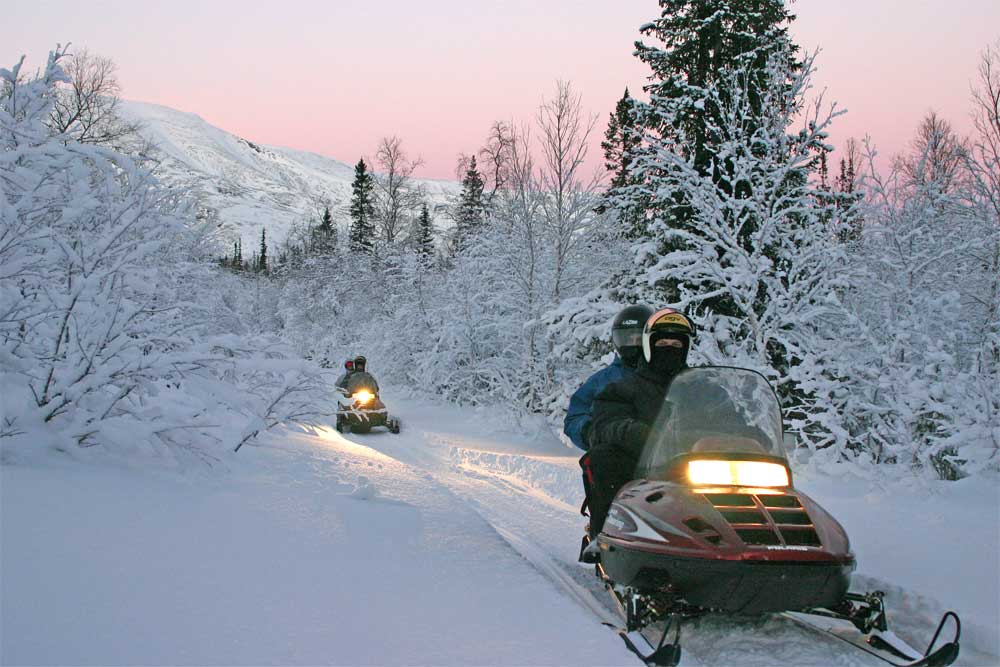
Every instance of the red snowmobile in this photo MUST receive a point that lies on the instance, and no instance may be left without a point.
(713, 523)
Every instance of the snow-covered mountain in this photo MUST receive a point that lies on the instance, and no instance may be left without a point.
(245, 185)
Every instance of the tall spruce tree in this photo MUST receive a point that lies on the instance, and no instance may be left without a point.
(712, 50)
(824, 169)
(621, 140)
(424, 237)
(262, 257)
(362, 210)
(702, 40)
(471, 213)
(324, 235)
(725, 180)
(850, 220)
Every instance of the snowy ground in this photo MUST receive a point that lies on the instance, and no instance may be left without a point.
(453, 543)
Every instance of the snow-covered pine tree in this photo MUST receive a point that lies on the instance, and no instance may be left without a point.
(702, 42)
(362, 210)
(261, 266)
(423, 237)
(324, 235)
(823, 172)
(850, 220)
(470, 214)
(621, 140)
(737, 233)
(757, 240)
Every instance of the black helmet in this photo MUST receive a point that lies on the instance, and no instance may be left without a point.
(360, 363)
(626, 332)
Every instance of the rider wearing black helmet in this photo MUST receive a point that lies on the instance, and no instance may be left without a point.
(625, 411)
(626, 336)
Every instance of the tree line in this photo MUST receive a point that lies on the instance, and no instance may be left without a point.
(869, 299)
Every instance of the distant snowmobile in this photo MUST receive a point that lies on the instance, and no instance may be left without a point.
(714, 523)
(363, 409)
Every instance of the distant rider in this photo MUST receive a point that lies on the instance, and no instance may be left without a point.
(625, 411)
(348, 369)
(358, 378)
(626, 337)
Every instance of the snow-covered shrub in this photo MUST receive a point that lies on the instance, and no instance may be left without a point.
(921, 393)
(105, 332)
(87, 321)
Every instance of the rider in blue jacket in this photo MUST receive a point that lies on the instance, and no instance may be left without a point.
(626, 336)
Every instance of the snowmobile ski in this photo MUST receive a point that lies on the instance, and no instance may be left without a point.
(881, 643)
(664, 655)
(640, 616)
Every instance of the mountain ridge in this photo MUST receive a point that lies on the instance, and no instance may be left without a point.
(247, 186)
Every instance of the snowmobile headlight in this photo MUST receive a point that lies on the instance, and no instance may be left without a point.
(737, 473)
(363, 397)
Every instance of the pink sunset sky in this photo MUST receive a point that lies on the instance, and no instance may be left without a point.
(334, 77)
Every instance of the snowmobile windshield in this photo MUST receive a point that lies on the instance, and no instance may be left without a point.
(714, 410)
(361, 381)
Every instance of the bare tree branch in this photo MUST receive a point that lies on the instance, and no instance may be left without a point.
(86, 108)
(399, 196)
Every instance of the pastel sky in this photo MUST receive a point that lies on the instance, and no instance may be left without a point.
(334, 76)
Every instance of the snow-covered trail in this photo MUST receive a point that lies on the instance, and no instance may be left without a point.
(453, 543)
(311, 550)
(529, 491)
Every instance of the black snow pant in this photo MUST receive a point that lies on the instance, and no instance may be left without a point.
(605, 471)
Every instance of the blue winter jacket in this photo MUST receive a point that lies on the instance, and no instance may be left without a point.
(581, 403)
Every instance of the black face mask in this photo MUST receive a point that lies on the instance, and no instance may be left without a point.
(668, 360)
(630, 355)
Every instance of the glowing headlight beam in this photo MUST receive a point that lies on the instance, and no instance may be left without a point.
(363, 397)
(737, 473)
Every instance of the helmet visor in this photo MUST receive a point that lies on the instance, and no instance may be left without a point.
(626, 338)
